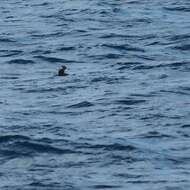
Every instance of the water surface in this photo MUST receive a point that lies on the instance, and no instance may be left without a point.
(119, 120)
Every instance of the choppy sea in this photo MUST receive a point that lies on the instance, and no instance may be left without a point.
(120, 119)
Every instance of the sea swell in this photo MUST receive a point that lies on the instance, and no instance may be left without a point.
(119, 119)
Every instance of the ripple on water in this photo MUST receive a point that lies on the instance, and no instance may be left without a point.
(10, 53)
(105, 186)
(53, 59)
(121, 118)
(178, 8)
(66, 48)
(130, 101)
(122, 47)
(21, 61)
(184, 47)
(18, 145)
(172, 65)
(82, 104)
(7, 40)
(155, 135)
(179, 37)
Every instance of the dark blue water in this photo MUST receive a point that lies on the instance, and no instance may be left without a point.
(119, 120)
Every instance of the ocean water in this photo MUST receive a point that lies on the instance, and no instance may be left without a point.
(120, 119)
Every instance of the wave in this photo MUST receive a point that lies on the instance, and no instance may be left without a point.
(7, 138)
(41, 4)
(18, 145)
(81, 105)
(66, 48)
(43, 90)
(185, 47)
(7, 40)
(117, 35)
(121, 47)
(9, 77)
(48, 35)
(9, 53)
(106, 186)
(107, 80)
(127, 65)
(179, 37)
(178, 9)
(53, 59)
(185, 126)
(109, 147)
(154, 134)
(169, 65)
(111, 56)
(151, 94)
(20, 61)
(129, 102)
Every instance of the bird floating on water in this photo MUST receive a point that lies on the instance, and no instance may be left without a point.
(61, 71)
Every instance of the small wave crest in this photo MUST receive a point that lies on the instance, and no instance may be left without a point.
(130, 101)
(172, 65)
(184, 47)
(109, 147)
(9, 53)
(121, 47)
(178, 8)
(18, 145)
(6, 40)
(53, 59)
(20, 61)
(81, 105)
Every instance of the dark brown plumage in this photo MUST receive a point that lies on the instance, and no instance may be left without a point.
(61, 71)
